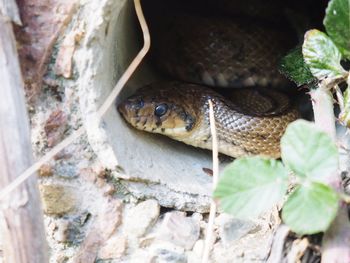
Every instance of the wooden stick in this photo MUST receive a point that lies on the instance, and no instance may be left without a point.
(22, 228)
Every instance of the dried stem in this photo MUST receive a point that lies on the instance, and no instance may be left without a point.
(212, 213)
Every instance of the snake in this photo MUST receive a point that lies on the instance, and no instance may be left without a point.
(202, 55)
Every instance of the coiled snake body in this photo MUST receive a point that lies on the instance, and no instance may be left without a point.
(205, 52)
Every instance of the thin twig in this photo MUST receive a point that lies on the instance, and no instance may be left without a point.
(108, 102)
(212, 213)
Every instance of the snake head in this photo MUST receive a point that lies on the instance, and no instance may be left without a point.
(153, 112)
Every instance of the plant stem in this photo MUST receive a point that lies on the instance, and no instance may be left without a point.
(210, 228)
(322, 103)
(336, 240)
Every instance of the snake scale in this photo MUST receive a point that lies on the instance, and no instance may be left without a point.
(201, 54)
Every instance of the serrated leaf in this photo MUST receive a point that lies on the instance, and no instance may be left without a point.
(309, 152)
(310, 208)
(321, 55)
(295, 69)
(250, 186)
(337, 24)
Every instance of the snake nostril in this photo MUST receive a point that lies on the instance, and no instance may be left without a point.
(138, 104)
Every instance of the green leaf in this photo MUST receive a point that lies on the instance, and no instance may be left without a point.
(337, 24)
(310, 208)
(322, 56)
(294, 67)
(309, 152)
(251, 185)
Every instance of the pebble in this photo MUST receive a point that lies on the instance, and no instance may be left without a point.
(197, 216)
(166, 252)
(45, 170)
(61, 258)
(142, 255)
(196, 254)
(232, 229)
(61, 234)
(102, 229)
(179, 229)
(57, 199)
(147, 240)
(141, 218)
(55, 126)
(114, 248)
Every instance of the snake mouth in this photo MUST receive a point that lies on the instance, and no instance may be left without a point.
(131, 115)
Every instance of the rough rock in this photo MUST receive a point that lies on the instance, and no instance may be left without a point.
(251, 247)
(196, 254)
(64, 63)
(61, 258)
(97, 176)
(114, 248)
(62, 233)
(147, 240)
(141, 217)
(179, 229)
(197, 217)
(142, 255)
(68, 229)
(45, 170)
(231, 229)
(55, 127)
(106, 223)
(166, 252)
(57, 199)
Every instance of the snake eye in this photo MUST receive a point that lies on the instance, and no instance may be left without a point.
(160, 109)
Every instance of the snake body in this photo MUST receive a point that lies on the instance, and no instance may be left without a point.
(204, 52)
(250, 124)
(221, 52)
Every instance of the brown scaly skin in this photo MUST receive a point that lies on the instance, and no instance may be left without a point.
(251, 124)
(221, 52)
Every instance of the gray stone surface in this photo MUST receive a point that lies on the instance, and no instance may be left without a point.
(140, 218)
(195, 255)
(179, 229)
(58, 199)
(232, 229)
(114, 248)
(141, 255)
(166, 252)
